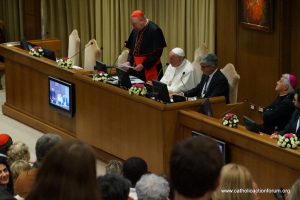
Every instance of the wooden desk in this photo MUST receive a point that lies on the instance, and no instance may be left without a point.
(115, 123)
(271, 166)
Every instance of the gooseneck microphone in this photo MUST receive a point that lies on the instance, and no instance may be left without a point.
(91, 43)
(183, 73)
(115, 62)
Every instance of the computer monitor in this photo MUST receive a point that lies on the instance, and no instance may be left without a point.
(205, 108)
(61, 95)
(47, 52)
(160, 91)
(250, 124)
(123, 78)
(100, 66)
(222, 145)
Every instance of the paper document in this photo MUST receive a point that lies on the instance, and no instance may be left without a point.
(127, 66)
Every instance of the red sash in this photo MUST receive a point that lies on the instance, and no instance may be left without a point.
(150, 74)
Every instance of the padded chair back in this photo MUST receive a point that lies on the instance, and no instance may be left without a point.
(199, 52)
(122, 57)
(233, 79)
(91, 54)
(74, 47)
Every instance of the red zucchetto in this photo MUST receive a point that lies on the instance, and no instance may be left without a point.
(137, 13)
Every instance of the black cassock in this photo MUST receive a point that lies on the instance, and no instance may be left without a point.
(146, 47)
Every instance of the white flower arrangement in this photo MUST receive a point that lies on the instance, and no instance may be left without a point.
(65, 63)
(230, 120)
(138, 89)
(100, 76)
(36, 51)
(288, 140)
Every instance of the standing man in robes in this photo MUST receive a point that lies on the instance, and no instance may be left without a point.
(146, 43)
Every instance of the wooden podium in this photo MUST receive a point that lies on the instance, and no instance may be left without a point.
(271, 166)
(116, 124)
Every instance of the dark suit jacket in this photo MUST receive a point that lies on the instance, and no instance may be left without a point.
(277, 115)
(218, 87)
(291, 126)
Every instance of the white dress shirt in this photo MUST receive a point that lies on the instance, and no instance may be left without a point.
(181, 78)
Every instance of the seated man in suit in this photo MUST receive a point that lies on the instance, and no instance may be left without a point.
(277, 115)
(179, 75)
(213, 82)
(294, 124)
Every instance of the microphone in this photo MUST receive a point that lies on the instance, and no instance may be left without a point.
(115, 62)
(91, 43)
(160, 71)
(183, 73)
(234, 107)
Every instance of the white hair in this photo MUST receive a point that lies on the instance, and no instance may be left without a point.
(152, 187)
(286, 81)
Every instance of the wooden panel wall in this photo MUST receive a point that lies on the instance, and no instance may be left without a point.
(259, 57)
(32, 19)
(295, 38)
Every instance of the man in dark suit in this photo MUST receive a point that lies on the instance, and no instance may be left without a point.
(213, 82)
(294, 124)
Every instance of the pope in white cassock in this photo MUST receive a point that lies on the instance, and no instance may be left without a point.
(180, 74)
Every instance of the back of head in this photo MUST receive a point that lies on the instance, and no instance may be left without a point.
(5, 143)
(195, 166)
(209, 60)
(152, 187)
(18, 151)
(17, 167)
(44, 144)
(113, 186)
(69, 166)
(295, 191)
(134, 168)
(114, 167)
(234, 176)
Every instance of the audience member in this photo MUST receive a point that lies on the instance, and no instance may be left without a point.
(6, 181)
(277, 115)
(67, 172)
(213, 82)
(295, 191)
(114, 167)
(44, 144)
(234, 177)
(133, 169)
(17, 167)
(18, 151)
(113, 187)
(5, 143)
(195, 166)
(180, 74)
(152, 187)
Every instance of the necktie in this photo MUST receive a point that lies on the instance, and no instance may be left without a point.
(204, 89)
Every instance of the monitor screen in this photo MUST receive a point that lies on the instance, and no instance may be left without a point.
(221, 144)
(100, 66)
(124, 79)
(47, 52)
(160, 91)
(61, 95)
(205, 108)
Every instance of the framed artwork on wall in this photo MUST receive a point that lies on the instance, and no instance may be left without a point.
(256, 14)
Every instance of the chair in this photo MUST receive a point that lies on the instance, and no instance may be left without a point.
(122, 57)
(199, 52)
(74, 47)
(233, 79)
(91, 54)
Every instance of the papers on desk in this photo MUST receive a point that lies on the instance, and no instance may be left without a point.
(133, 79)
